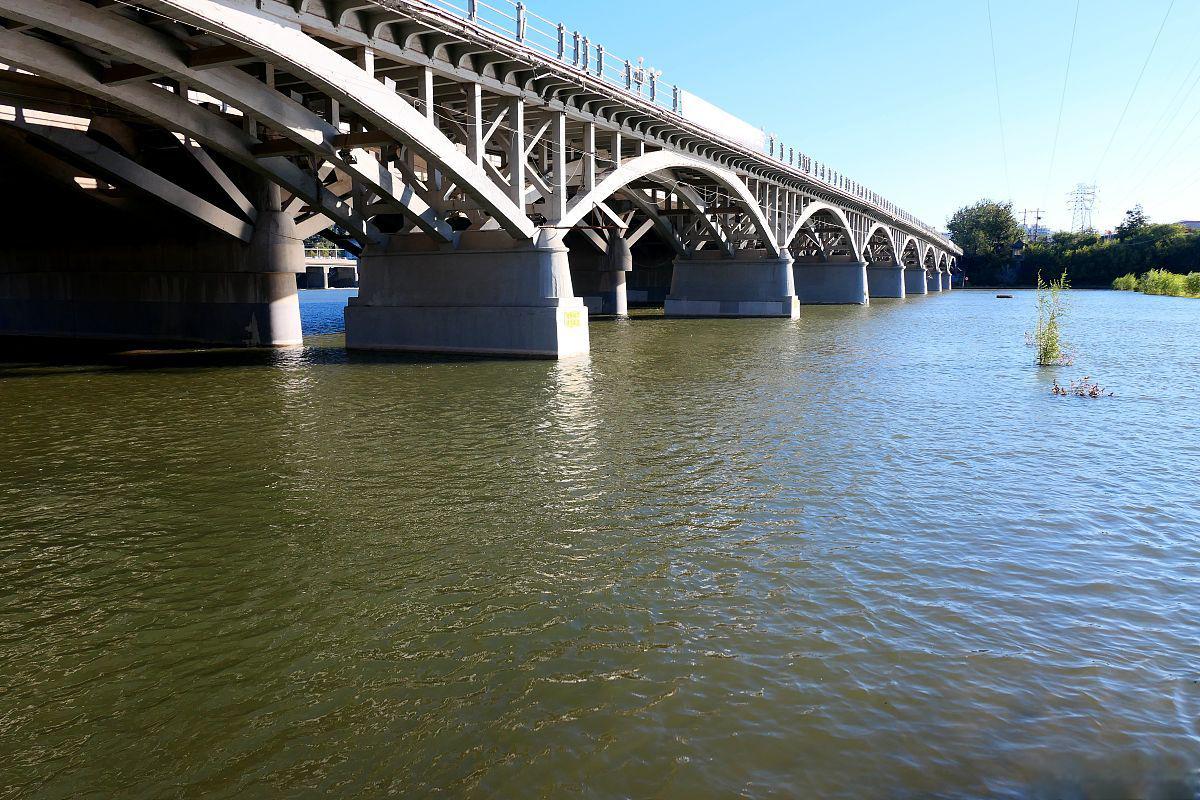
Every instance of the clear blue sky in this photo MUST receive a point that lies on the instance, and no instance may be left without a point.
(901, 96)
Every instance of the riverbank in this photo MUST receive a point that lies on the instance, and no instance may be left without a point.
(1161, 282)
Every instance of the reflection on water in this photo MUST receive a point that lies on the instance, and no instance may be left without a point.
(861, 554)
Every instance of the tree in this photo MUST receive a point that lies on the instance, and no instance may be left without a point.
(987, 232)
(986, 228)
(1134, 223)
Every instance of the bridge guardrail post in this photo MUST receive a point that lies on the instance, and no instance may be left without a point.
(628, 75)
(600, 60)
(521, 22)
(473, 10)
(562, 41)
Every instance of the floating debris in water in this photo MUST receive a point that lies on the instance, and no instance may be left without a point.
(1004, 297)
(1084, 387)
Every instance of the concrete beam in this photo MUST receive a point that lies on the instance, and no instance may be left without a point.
(175, 113)
(118, 169)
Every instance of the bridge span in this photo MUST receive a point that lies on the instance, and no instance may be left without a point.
(497, 174)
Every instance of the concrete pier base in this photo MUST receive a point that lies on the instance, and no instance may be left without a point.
(832, 283)
(947, 281)
(752, 285)
(490, 296)
(934, 281)
(614, 297)
(316, 277)
(147, 286)
(617, 264)
(885, 280)
(343, 277)
(914, 282)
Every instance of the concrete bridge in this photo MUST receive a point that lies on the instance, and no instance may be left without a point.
(492, 170)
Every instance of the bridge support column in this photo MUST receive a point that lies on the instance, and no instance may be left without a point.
(914, 282)
(832, 283)
(885, 280)
(752, 285)
(343, 277)
(316, 276)
(614, 298)
(148, 281)
(490, 296)
(934, 281)
(947, 281)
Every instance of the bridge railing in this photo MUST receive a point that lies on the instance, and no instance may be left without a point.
(327, 252)
(513, 20)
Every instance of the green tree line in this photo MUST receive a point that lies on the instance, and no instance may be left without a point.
(997, 252)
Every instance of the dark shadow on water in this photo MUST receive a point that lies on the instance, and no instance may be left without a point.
(30, 358)
(39, 359)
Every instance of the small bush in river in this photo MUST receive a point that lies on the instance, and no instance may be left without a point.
(1126, 283)
(1051, 310)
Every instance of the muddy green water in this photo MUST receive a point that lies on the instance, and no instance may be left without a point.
(864, 554)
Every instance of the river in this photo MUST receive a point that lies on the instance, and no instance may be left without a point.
(863, 554)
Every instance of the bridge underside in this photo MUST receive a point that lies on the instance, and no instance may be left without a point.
(92, 259)
(171, 157)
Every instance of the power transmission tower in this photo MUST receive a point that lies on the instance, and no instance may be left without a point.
(1081, 201)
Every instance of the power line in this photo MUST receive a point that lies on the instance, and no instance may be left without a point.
(1061, 102)
(1163, 124)
(999, 108)
(1146, 174)
(1136, 84)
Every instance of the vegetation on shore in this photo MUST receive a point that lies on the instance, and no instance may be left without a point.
(998, 252)
(1160, 281)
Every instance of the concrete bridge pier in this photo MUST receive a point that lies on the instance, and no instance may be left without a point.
(947, 281)
(934, 281)
(144, 276)
(754, 284)
(316, 276)
(885, 280)
(832, 282)
(618, 263)
(343, 277)
(915, 282)
(490, 295)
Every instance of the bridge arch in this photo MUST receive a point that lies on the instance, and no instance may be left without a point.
(658, 167)
(878, 245)
(943, 263)
(910, 253)
(834, 219)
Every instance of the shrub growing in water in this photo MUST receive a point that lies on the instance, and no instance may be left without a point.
(1192, 282)
(1052, 309)
(1126, 283)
